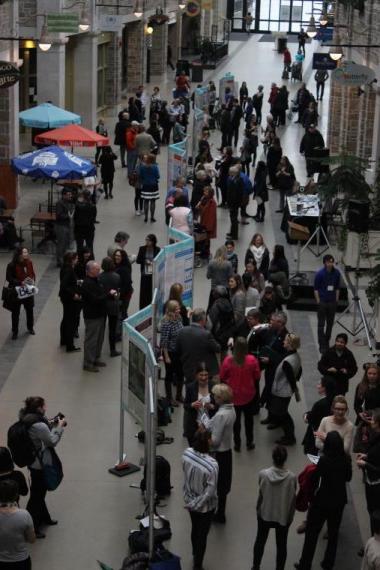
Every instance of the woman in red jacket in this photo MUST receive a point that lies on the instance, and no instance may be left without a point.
(20, 273)
(241, 372)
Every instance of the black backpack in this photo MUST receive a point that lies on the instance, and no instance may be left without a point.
(163, 486)
(163, 412)
(20, 444)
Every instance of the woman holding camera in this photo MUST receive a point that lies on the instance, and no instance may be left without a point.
(20, 273)
(45, 435)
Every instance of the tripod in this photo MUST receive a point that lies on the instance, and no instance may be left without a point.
(357, 307)
(317, 233)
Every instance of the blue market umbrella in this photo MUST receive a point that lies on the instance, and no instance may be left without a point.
(52, 162)
(48, 116)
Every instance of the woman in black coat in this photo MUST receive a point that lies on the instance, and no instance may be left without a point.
(145, 258)
(198, 400)
(124, 269)
(332, 473)
(111, 281)
(285, 179)
(321, 408)
(69, 293)
(370, 463)
(107, 170)
(273, 158)
(260, 191)
(165, 123)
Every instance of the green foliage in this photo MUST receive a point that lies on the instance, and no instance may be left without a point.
(373, 289)
(375, 204)
(346, 178)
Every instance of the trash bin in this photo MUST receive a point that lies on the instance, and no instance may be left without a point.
(183, 65)
(196, 72)
(281, 44)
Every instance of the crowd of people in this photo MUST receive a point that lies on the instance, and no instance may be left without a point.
(233, 357)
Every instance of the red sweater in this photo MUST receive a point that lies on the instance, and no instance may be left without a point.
(242, 379)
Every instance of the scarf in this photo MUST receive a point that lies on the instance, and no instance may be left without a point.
(258, 253)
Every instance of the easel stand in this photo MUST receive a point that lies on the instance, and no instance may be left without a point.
(356, 307)
(317, 233)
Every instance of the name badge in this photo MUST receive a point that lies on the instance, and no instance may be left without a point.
(330, 287)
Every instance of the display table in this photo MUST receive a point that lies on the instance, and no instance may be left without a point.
(303, 209)
(42, 226)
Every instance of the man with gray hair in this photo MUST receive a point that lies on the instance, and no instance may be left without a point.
(272, 351)
(94, 312)
(196, 344)
(235, 192)
(120, 241)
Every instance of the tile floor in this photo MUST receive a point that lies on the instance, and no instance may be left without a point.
(95, 509)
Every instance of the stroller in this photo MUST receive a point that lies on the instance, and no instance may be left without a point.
(202, 245)
(296, 71)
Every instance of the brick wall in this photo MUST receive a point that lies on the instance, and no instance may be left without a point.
(26, 9)
(136, 56)
(159, 50)
(5, 30)
(113, 93)
(351, 117)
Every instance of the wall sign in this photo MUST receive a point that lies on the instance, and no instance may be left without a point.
(192, 8)
(323, 61)
(351, 73)
(9, 74)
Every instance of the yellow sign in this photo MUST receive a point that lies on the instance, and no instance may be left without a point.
(207, 5)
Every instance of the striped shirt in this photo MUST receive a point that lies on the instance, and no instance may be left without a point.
(169, 332)
(201, 478)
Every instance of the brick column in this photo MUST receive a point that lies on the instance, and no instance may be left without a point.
(159, 50)
(51, 75)
(85, 78)
(136, 55)
(113, 94)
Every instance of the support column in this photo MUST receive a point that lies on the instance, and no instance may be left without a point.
(51, 75)
(136, 55)
(159, 50)
(114, 73)
(85, 79)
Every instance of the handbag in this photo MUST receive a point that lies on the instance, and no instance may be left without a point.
(52, 470)
(9, 297)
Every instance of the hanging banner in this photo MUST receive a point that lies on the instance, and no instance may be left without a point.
(65, 23)
(323, 61)
(350, 73)
(207, 5)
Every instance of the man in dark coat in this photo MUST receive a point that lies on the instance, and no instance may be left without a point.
(236, 117)
(94, 299)
(235, 193)
(120, 135)
(339, 363)
(311, 140)
(196, 344)
(225, 127)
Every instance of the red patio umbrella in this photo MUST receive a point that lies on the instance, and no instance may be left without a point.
(72, 135)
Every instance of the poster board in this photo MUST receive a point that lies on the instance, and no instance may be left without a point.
(174, 264)
(228, 80)
(177, 161)
(198, 123)
(201, 97)
(135, 349)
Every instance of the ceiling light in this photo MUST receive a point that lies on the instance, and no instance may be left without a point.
(182, 5)
(336, 53)
(137, 11)
(45, 40)
(84, 22)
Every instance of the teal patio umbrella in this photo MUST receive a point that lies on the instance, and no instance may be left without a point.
(48, 116)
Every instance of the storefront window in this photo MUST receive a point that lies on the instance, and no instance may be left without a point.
(274, 15)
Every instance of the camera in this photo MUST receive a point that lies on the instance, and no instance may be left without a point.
(58, 417)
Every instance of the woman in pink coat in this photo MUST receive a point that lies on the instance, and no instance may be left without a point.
(241, 372)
